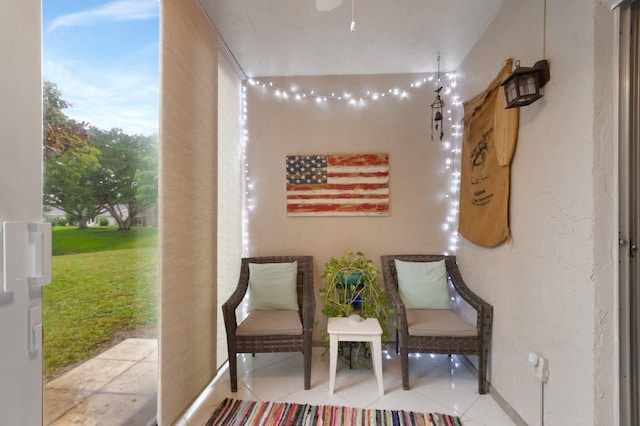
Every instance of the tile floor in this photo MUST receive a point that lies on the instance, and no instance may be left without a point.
(438, 384)
(117, 387)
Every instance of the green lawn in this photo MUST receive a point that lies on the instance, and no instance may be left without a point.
(71, 240)
(109, 287)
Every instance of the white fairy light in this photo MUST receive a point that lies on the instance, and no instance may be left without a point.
(451, 146)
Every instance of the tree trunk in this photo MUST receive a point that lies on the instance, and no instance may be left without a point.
(125, 226)
(82, 222)
(124, 223)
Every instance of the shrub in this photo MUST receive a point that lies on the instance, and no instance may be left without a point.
(59, 221)
(103, 221)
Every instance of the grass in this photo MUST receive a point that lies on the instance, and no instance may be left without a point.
(71, 240)
(106, 289)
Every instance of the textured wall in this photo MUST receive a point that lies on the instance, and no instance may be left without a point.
(605, 186)
(188, 206)
(549, 290)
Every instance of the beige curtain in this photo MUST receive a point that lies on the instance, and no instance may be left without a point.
(230, 190)
(188, 206)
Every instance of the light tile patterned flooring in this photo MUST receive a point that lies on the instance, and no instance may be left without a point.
(117, 387)
(438, 384)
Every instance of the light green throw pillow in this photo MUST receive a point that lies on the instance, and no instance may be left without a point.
(423, 285)
(272, 286)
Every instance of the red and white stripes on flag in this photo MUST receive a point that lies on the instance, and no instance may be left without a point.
(338, 185)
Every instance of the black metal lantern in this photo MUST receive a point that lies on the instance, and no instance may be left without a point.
(523, 86)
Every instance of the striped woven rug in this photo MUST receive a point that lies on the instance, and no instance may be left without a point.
(256, 413)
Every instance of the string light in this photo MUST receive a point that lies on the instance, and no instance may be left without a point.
(451, 145)
(349, 97)
(246, 200)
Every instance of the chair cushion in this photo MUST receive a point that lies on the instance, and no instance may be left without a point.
(266, 323)
(438, 322)
(423, 285)
(273, 286)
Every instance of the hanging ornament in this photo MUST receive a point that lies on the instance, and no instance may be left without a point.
(437, 107)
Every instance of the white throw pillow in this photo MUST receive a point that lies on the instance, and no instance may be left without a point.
(423, 285)
(272, 286)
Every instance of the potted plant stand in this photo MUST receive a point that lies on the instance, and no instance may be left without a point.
(351, 287)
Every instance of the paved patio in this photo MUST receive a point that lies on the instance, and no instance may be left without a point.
(117, 387)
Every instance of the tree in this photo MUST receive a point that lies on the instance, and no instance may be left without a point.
(89, 171)
(60, 132)
(127, 183)
(69, 186)
(147, 175)
(70, 163)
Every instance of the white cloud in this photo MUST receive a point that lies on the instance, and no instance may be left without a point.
(120, 10)
(107, 98)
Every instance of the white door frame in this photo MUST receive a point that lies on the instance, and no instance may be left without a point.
(20, 201)
(629, 210)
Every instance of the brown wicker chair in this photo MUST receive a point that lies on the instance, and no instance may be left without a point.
(477, 344)
(276, 342)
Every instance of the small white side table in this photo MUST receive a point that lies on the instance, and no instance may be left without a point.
(346, 330)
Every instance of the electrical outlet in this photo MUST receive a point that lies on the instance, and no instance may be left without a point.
(540, 366)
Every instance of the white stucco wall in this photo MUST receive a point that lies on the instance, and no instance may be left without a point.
(551, 285)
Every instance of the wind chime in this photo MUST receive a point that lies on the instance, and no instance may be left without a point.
(436, 108)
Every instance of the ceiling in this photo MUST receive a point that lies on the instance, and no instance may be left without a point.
(293, 38)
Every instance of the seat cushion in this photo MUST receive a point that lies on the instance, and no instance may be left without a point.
(438, 322)
(266, 323)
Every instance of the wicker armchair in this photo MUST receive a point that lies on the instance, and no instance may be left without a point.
(279, 338)
(475, 342)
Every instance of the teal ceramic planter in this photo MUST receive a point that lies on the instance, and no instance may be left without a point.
(349, 279)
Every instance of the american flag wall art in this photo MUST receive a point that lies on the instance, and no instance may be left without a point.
(338, 185)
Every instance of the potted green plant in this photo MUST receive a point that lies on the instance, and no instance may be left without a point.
(351, 286)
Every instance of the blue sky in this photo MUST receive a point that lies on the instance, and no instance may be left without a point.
(103, 55)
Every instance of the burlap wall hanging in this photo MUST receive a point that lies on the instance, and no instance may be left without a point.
(488, 144)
